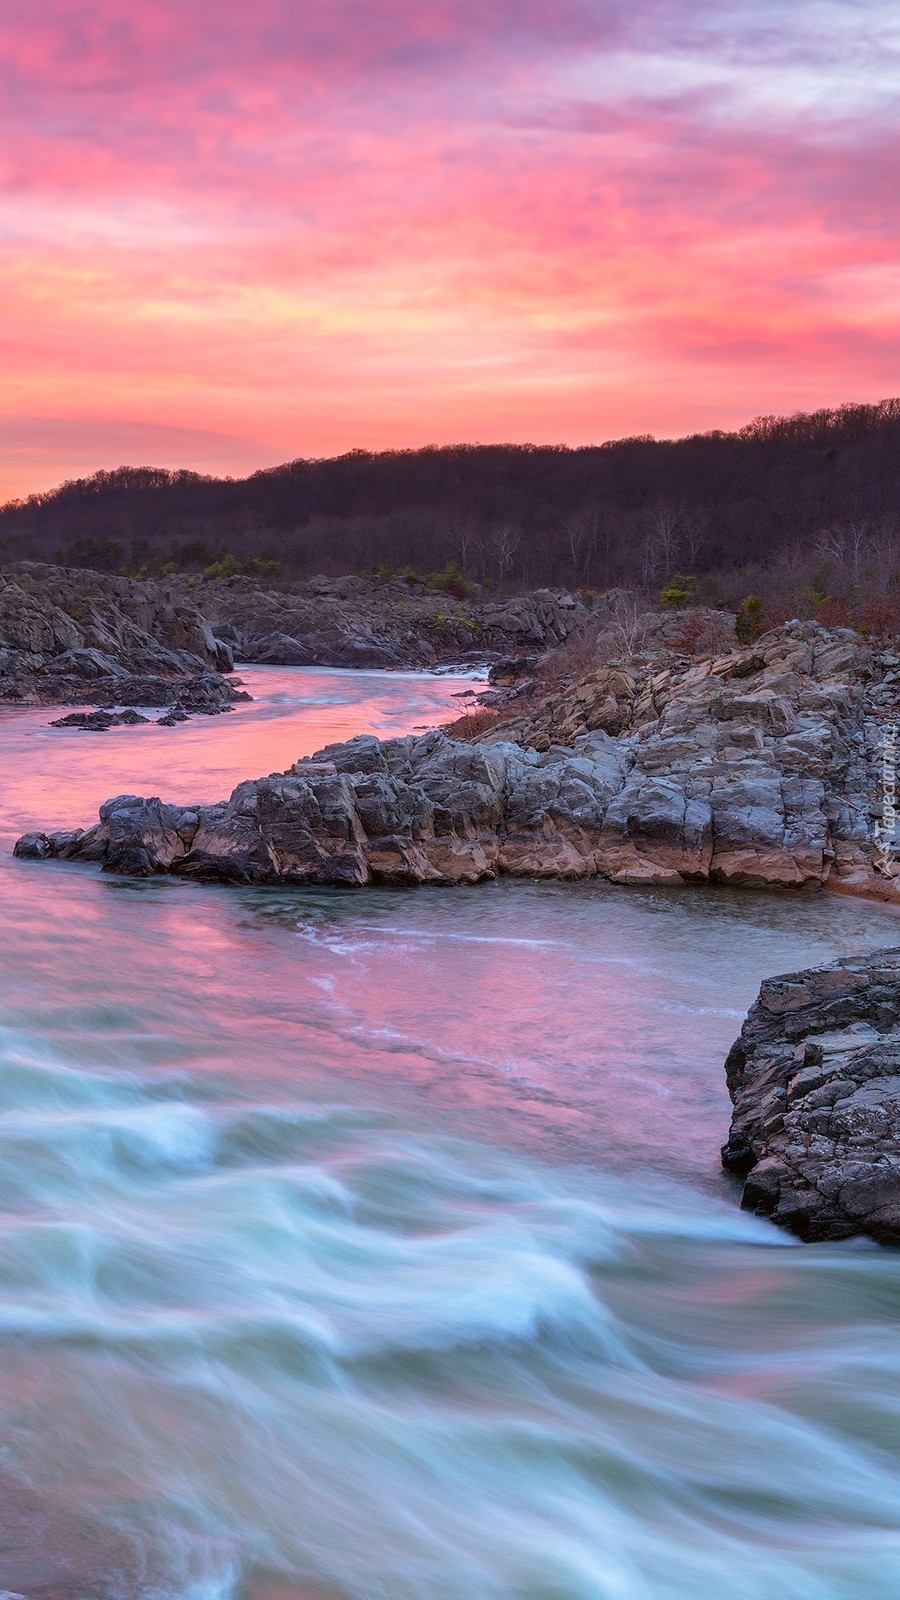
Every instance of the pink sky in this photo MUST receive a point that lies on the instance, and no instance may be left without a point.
(235, 233)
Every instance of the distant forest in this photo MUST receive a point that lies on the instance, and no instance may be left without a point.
(809, 500)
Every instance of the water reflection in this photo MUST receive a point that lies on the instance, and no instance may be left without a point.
(374, 1246)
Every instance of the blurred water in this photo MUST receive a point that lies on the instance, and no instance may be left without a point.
(373, 1246)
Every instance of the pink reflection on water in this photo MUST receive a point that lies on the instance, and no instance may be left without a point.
(57, 777)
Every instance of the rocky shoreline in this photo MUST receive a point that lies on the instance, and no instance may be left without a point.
(757, 768)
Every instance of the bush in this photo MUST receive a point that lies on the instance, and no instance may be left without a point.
(451, 581)
(473, 723)
(834, 613)
(686, 639)
(678, 592)
(228, 566)
(748, 622)
(878, 619)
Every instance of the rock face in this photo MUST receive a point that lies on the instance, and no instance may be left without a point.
(68, 635)
(754, 769)
(363, 622)
(815, 1081)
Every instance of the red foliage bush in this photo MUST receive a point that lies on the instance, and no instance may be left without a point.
(834, 613)
(878, 619)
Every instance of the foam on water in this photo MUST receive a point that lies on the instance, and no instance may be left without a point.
(374, 1247)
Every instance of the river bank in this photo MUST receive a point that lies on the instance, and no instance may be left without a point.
(757, 768)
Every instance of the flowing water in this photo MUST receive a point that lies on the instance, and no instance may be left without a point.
(373, 1245)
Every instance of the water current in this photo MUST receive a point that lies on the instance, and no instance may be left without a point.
(373, 1245)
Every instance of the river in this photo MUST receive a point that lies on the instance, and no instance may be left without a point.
(373, 1245)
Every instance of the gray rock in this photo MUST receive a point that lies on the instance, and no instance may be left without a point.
(99, 721)
(815, 1083)
(64, 629)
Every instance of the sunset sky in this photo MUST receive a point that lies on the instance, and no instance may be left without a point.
(233, 232)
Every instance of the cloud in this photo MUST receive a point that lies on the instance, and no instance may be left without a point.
(379, 223)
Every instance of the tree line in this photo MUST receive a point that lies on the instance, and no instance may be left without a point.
(806, 505)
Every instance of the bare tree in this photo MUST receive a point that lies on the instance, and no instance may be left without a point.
(662, 540)
(581, 530)
(505, 542)
(626, 623)
(464, 543)
(694, 529)
(847, 546)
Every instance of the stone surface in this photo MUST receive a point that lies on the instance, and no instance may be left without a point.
(69, 635)
(815, 1082)
(755, 769)
(364, 622)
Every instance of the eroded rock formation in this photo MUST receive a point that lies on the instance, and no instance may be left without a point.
(362, 622)
(68, 635)
(815, 1081)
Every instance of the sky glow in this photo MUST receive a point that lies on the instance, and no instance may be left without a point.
(233, 234)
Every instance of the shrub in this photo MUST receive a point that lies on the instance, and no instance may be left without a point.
(878, 619)
(834, 613)
(227, 566)
(678, 592)
(472, 723)
(748, 622)
(687, 638)
(451, 581)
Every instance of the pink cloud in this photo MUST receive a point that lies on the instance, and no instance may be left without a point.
(292, 228)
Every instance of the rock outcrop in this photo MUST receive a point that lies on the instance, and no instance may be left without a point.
(758, 767)
(815, 1081)
(69, 635)
(364, 622)
(755, 769)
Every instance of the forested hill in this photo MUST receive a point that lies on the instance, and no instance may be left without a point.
(630, 511)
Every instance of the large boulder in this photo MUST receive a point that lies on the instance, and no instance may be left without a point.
(815, 1082)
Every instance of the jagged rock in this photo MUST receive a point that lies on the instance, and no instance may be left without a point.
(67, 634)
(99, 721)
(363, 622)
(510, 670)
(815, 1082)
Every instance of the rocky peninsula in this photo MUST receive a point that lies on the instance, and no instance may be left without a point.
(755, 767)
(70, 636)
